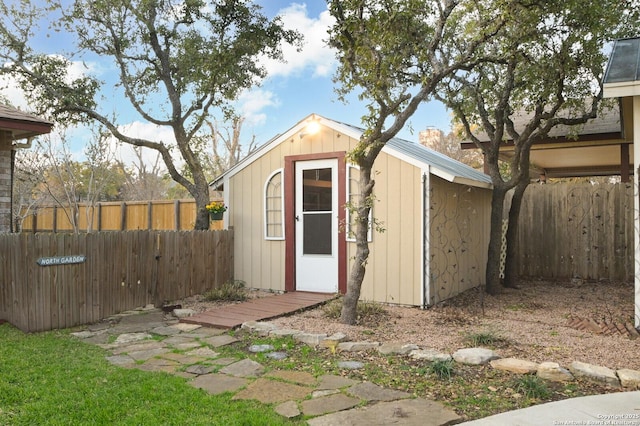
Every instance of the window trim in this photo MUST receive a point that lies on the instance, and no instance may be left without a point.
(265, 210)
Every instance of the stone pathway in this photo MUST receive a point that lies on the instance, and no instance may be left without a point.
(151, 340)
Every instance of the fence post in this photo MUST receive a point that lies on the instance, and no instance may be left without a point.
(176, 214)
(123, 216)
(99, 226)
(149, 215)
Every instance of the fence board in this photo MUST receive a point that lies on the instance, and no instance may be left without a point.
(154, 266)
(117, 216)
(577, 230)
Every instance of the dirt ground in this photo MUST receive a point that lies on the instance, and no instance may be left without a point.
(541, 321)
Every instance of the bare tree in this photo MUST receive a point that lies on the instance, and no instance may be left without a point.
(177, 63)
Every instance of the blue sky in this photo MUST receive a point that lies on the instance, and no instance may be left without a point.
(292, 91)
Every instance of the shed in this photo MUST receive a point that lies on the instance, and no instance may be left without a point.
(14, 125)
(286, 203)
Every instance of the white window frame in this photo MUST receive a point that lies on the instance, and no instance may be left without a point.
(266, 206)
(348, 232)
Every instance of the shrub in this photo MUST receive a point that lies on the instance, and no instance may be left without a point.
(487, 338)
(367, 312)
(532, 387)
(442, 369)
(231, 291)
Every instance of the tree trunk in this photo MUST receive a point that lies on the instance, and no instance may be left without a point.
(495, 241)
(511, 261)
(201, 197)
(349, 313)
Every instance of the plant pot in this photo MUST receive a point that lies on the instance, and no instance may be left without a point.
(216, 215)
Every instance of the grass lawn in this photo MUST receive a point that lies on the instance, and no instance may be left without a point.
(52, 379)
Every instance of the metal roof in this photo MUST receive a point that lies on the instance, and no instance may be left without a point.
(438, 164)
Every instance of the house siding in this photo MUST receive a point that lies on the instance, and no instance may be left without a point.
(5, 181)
(458, 238)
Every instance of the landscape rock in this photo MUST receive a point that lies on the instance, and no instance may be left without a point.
(310, 339)
(199, 370)
(288, 409)
(277, 355)
(350, 365)
(260, 348)
(121, 360)
(553, 372)
(408, 412)
(474, 356)
(244, 368)
(204, 352)
(284, 332)
(134, 347)
(331, 381)
(131, 337)
(430, 355)
(514, 365)
(84, 334)
(165, 331)
(297, 377)
(396, 348)
(338, 337)
(183, 313)
(595, 373)
(272, 391)
(629, 378)
(328, 404)
(148, 354)
(221, 340)
(184, 327)
(372, 392)
(357, 346)
(260, 328)
(218, 383)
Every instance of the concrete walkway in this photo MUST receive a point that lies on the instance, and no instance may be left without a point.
(191, 351)
(621, 408)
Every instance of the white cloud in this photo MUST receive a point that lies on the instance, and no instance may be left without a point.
(315, 53)
(10, 89)
(252, 102)
(148, 131)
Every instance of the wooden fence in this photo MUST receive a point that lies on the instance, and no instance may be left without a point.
(577, 230)
(50, 281)
(167, 215)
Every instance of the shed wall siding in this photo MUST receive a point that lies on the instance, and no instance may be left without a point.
(459, 237)
(394, 267)
(259, 262)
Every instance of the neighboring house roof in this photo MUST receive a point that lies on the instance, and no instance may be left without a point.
(589, 149)
(438, 164)
(21, 124)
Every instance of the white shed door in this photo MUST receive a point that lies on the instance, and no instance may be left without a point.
(317, 225)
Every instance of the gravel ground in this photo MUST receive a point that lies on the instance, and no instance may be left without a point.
(532, 322)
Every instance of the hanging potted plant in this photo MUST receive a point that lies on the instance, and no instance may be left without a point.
(216, 210)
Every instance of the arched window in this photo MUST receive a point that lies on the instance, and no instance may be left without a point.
(274, 207)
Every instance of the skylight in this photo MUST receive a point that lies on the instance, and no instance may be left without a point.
(624, 63)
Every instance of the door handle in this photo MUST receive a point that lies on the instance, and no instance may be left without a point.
(297, 218)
